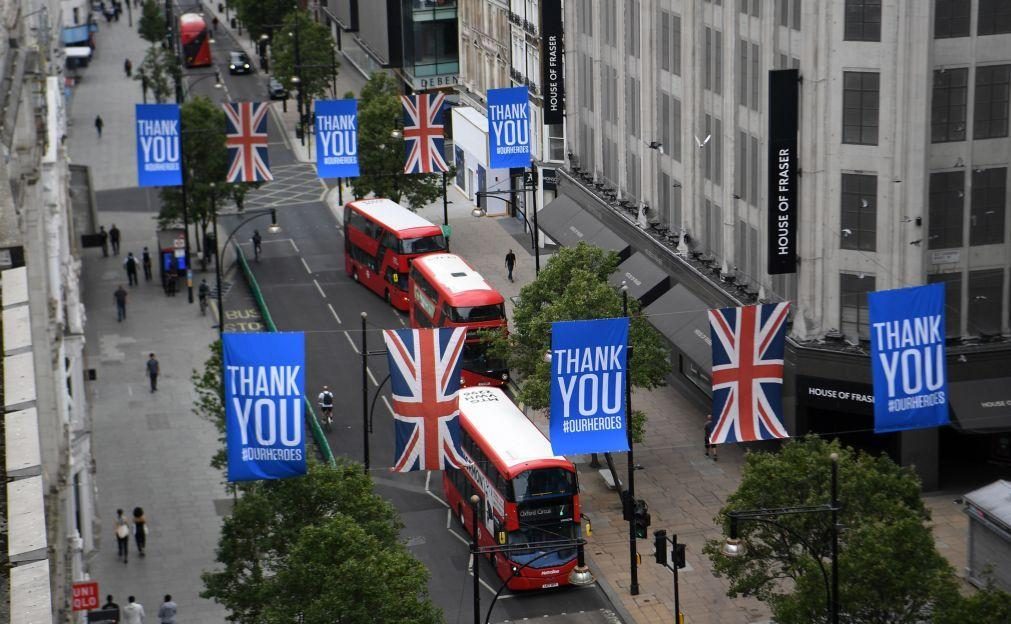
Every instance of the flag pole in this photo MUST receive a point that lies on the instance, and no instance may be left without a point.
(365, 394)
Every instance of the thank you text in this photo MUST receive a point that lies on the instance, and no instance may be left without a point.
(159, 153)
(337, 138)
(509, 127)
(782, 168)
(264, 404)
(589, 370)
(907, 358)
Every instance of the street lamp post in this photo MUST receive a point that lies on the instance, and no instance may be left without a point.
(630, 496)
(253, 214)
(481, 212)
(734, 547)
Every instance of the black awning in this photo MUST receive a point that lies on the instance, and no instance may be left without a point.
(981, 405)
(645, 280)
(568, 223)
(683, 318)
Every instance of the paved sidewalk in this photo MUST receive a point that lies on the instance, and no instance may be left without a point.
(150, 449)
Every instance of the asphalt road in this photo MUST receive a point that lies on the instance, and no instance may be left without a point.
(301, 274)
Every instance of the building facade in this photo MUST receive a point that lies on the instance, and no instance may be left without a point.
(903, 163)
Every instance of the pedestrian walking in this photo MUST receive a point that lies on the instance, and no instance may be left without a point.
(105, 241)
(128, 68)
(167, 611)
(131, 268)
(116, 10)
(122, 528)
(214, 23)
(152, 372)
(133, 612)
(111, 605)
(170, 283)
(120, 297)
(257, 245)
(709, 432)
(99, 124)
(140, 527)
(510, 262)
(145, 260)
(114, 239)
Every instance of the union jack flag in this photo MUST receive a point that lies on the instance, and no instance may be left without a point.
(246, 140)
(425, 382)
(748, 347)
(423, 133)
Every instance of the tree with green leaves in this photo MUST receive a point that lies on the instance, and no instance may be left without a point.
(315, 64)
(381, 152)
(210, 403)
(889, 568)
(206, 160)
(152, 26)
(282, 534)
(573, 286)
(158, 72)
(262, 16)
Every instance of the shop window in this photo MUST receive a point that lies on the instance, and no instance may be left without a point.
(986, 214)
(948, 106)
(994, 17)
(863, 20)
(946, 209)
(860, 107)
(951, 18)
(859, 212)
(992, 96)
(985, 288)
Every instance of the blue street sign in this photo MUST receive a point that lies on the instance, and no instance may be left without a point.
(509, 128)
(337, 139)
(159, 151)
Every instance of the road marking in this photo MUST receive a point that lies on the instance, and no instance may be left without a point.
(353, 345)
(449, 517)
(319, 288)
(428, 478)
(305, 264)
(129, 390)
(334, 312)
(402, 323)
(292, 241)
(371, 376)
(388, 406)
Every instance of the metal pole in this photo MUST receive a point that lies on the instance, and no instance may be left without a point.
(186, 229)
(677, 594)
(217, 272)
(445, 201)
(835, 539)
(365, 393)
(537, 232)
(298, 72)
(634, 572)
(340, 191)
(474, 500)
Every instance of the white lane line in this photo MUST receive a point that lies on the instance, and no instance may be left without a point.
(449, 517)
(319, 288)
(371, 376)
(305, 264)
(334, 312)
(428, 478)
(352, 342)
(388, 406)
(292, 241)
(401, 319)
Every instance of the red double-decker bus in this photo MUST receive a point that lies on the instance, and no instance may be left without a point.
(195, 40)
(528, 494)
(445, 292)
(381, 237)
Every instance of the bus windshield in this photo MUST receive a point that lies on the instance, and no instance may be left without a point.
(542, 557)
(424, 244)
(543, 483)
(475, 358)
(475, 314)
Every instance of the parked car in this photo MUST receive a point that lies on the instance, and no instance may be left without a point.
(276, 90)
(238, 63)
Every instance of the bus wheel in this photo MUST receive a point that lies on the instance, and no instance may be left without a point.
(354, 275)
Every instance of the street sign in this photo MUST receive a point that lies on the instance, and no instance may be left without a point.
(85, 595)
(530, 178)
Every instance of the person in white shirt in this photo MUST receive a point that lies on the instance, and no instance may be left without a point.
(133, 612)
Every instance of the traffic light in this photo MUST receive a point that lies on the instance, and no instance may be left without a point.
(640, 519)
(660, 544)
(679, 556)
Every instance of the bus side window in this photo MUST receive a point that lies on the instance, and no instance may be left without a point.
(445, 315)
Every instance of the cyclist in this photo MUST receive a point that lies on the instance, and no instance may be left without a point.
(326, 405)
(204, 292)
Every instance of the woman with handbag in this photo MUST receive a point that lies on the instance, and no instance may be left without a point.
(140, 529)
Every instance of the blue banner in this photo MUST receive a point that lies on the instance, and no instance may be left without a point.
(907, 358)
(588, 375)
(159, 153)
(508, 128)
(264, 405)
(337, 139)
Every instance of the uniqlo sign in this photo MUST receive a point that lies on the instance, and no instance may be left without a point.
(85, 595)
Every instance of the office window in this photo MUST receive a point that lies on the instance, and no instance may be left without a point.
(951, 18)
(860, 108)
(665, 40)
(585, 17)
(755, 7)
(675, 214)
(754, 156)
(789, 13)
(741, 166)
(742, 72)
(608, 21)
(863, 20)
(664, 121)
(707, 76)
(712, 225)
(632, 31)
(749, 76)
(663, 193)
(741, 247)
(947, 198)
(675, 46)
(952, 301)
(854, 314)
(991, 118)
(756, 78)
(632, 173)
(713, 160)
(674, 149)
(986, 213)
(859, 212)
(669, 49)
(994, 17)
(632, 106)
(713, 70)
(753, 270)
(948, 109)
(985, 288)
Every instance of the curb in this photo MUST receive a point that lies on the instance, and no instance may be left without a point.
(610, 592)
(317, 431)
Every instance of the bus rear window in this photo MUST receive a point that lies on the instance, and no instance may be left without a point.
(543, 483)
(477, 314)
(424, 244)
